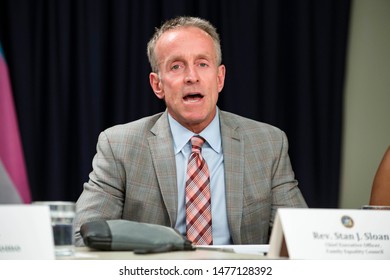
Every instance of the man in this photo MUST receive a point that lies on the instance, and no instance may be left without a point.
(140, 169)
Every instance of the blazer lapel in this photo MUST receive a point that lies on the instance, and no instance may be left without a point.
(233, 151)
(161, 147)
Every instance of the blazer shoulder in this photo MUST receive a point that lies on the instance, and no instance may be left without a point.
(140, 127)
(245, 125)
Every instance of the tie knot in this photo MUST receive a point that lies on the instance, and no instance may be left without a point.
(197, 143)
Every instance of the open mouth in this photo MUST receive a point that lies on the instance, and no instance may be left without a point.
(193, 97)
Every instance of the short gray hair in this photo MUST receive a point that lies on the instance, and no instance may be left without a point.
(183, 21)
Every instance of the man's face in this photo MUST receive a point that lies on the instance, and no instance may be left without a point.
(189, 79)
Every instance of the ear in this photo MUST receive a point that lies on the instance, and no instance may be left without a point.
(221, 77)
(156, 85)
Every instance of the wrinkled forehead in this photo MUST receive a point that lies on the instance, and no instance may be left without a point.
(184, 40)
(183, 33)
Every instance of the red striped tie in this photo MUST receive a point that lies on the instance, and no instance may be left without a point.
(198, 198)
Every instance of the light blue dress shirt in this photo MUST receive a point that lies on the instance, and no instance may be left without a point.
(212, 153)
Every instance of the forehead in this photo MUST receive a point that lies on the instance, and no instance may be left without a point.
(183, 31)
(184, 40)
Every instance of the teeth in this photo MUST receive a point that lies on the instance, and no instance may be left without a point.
(191, 100)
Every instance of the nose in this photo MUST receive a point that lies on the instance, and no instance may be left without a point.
(191, 76)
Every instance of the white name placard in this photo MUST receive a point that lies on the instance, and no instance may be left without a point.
(26, 233)
(331, 234)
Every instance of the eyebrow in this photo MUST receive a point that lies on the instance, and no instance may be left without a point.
(182, 58)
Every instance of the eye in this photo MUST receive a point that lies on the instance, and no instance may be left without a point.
(203, 64)
(177, 66)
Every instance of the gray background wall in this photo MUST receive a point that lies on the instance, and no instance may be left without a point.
(367, 100)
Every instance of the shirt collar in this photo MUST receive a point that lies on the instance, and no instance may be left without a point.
(182, 135)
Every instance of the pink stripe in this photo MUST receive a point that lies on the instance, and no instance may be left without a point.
(11, 153)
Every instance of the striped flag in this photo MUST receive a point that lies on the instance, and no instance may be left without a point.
(14, 187)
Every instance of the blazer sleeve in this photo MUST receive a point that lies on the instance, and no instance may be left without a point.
(285, 190)
(103, 195)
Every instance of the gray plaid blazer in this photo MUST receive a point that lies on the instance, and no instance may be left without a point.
(134, 176)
